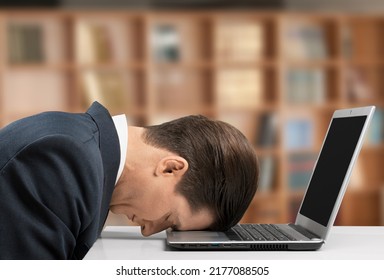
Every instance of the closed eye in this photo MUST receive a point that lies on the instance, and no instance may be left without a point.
(175, 227)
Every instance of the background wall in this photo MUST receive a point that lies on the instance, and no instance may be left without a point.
(276, 75)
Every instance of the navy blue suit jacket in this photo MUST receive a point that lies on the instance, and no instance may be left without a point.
(57, 175)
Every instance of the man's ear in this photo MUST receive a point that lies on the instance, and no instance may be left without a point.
(172, 166)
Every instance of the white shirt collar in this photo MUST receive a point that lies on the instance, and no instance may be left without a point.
(121, 126)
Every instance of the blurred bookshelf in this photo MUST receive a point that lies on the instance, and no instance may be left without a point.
(276, 76)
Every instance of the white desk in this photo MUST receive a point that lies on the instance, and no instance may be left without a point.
(347, 243)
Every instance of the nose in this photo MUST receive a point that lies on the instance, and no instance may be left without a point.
(151, 227)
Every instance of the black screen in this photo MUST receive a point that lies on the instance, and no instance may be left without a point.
(331, 168)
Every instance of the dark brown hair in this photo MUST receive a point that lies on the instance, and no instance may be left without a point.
(223, 168)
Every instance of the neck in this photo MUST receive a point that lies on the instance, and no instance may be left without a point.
(136, 146)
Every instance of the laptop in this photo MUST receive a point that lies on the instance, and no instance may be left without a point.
(318, 208)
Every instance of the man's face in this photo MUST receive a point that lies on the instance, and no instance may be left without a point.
(155, 206)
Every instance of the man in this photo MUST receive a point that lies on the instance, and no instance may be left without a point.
(60, 174)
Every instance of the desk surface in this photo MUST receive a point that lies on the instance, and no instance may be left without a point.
(126, 242)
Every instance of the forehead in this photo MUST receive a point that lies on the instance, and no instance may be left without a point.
(186, 219)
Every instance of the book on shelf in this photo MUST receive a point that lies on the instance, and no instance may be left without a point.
(300, 167)
(108, 88)
(298, 134)
(239, 40)
(93, 43)
(166, 43)
(25, 43)
(267, 173)
(306, 86)
(346, 42)
(267, 131)
(240, 88)
(304, 40)
(357, 85)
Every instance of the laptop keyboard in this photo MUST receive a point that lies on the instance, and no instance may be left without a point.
(258, 232)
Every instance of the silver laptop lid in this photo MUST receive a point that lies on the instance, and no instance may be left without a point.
(333, 168)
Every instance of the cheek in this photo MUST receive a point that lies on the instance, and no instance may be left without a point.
(154, 210)
(155, 206)
(152, 196)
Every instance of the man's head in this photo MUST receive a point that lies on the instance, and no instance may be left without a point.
(190, 173)
(223, 169)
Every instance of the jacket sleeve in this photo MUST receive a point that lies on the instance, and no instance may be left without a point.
(50, 195)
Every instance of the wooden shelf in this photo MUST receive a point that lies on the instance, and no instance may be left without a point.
(39, 67)
(255, 70)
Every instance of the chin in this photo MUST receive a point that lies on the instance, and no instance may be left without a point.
(115, 210)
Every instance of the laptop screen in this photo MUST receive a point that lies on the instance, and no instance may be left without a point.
(331, 168)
